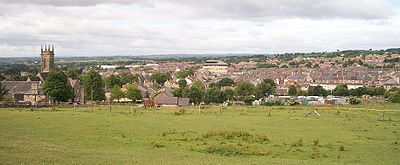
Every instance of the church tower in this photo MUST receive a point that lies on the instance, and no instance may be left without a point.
(47, 61)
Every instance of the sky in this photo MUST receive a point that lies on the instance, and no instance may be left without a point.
(147, 27)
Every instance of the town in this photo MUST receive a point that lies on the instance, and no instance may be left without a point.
(327, 78)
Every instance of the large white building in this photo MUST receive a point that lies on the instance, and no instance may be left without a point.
(215, 67)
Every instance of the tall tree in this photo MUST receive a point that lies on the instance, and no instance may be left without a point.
(73, 73)
(245, 92)
(316, 91)
(116, 93)
(3, 92)
(265, 88)
(161, 77)
(341, 90)
(182, 83)
(196, 95)
(93, 85)
(129, 78)
(133, 93)
(57, 87)
(112, 81)
(292, 90)
(225, 82)
(213, 95)
(395, 98)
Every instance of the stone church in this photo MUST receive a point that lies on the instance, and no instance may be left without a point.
(31, 90)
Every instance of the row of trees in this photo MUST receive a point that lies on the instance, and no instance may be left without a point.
(340, 90)
(243, 91)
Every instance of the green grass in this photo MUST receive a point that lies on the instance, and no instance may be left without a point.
(232, 135)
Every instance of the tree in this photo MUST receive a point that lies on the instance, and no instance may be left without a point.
(57, 87)
(160, 78)
(73, 73)
(341, 90)
(292, 90)
(182, 83)
(213, 95)
(195, 95)
(245, 92)
(116, 93)
(316, 91)
(129, 78)
(112, 81)
(133, 93)
(265, 88)
(225, 82)
(184, 73)
(354, 101)
(93, 85)
(3, 92)
(395, 98)
(228, 95)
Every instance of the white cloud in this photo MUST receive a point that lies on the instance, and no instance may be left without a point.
(172, 26)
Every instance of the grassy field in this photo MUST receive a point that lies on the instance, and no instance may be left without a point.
(232, 135)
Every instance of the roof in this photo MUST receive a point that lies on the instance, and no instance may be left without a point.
(163, 99)
(183, 102)
(34, 78)
(22, 87)
(43, 75)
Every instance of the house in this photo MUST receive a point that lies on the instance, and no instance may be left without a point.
(24, 91)
(163, 100)
(79, 93)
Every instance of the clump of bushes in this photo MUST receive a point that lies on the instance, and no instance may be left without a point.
(239, 135)
(273, 103)
(298, 143)
(315, 153)
(225, 150)
(341, 148)
(316, 142)
(157, 144)
(354, 101)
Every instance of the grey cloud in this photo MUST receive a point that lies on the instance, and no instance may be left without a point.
(73, 2)
(248, 9)
(274, 9)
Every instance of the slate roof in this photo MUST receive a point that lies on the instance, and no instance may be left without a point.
(21, 87)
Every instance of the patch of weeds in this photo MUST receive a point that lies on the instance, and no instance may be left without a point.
(314, 153)
(168, 132)
(157, 144)
(225, 150)
(329, 146)
(238, 135)
(341, 148)
(298, 143)
(316, 142)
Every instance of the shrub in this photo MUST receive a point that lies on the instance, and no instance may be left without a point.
(355, 101)
(157, 144)
(298, 143)
(341, 148)
(225, 150)
(316, 142)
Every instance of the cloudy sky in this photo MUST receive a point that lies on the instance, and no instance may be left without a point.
(140, 27)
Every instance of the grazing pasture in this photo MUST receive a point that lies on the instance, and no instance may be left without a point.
(217, 135)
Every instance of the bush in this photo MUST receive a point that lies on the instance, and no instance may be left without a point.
(157, 144)
(298, 143)
(341, 148)
(225, 150)
(355, 101)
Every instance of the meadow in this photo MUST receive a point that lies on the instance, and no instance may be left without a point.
(217, 135)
